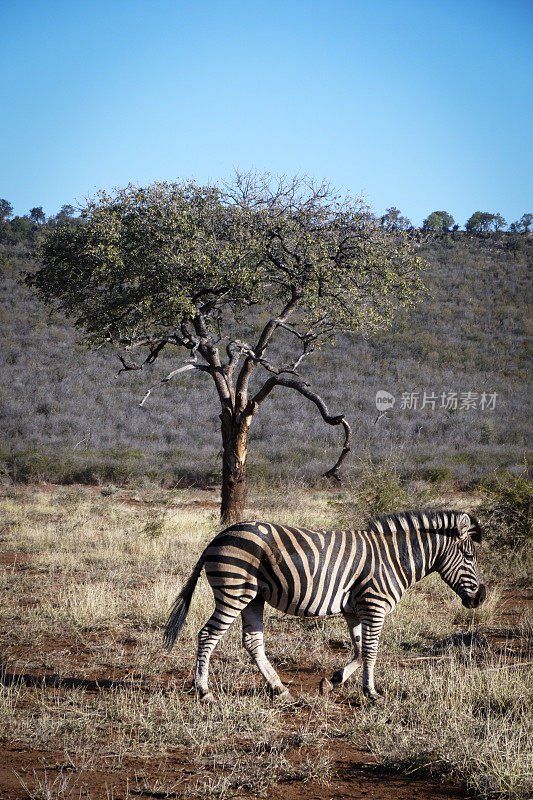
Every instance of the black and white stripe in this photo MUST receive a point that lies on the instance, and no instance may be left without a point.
(315, 573)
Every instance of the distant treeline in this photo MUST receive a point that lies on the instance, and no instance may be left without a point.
(18, 229)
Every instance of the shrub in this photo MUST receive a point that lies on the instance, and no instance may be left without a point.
(437, 474)
(381, 489)
(509, 506)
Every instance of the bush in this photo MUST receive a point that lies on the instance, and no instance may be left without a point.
(381, 489)
(509, 506)
(437, 474)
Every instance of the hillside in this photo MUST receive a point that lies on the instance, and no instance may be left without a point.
(65, 417)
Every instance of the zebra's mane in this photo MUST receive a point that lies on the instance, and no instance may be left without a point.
(420, 520)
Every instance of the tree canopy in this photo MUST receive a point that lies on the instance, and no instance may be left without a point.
(220, 273)
(6, 209)
(524, 223)
(484, 222)
(438, 221)
(144, 261)
(37, 215)
(393, 220)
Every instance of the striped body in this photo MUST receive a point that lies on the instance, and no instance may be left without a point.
(315, 573)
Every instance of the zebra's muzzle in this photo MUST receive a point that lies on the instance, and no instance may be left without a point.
(474, 602)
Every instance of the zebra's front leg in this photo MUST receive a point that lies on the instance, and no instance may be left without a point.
(252, 640)
(372, 623)
(342, 675)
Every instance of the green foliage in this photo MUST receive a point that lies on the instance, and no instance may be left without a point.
(515, 243)
(393, 220)
(437, 474)
(381, 489)
(145, 260)
(525, 222)
(509, 504)
(484, 221)
(439, 221)
(37, 215)
(155, 527)
(6, 209)
(140, 259)
(31, 464)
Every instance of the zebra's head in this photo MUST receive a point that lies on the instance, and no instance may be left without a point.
(458, 567)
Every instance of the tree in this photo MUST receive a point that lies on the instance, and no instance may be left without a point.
(20, 229)
(393, 220)
(484, 222)
(439, 221)
(65, 213)
(523, 224)
(222, 275)
(6, 209)
(37, 215)
(498, 222)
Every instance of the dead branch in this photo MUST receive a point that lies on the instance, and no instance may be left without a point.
(300, 386)
(184, 368)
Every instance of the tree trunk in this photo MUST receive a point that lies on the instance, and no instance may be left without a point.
(235, 427)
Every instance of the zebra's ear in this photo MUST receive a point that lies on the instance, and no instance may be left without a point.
(463, 525)
(475, 530)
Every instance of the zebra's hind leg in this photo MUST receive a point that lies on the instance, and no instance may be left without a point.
(226, 610)
(339, 677)
(252, 640)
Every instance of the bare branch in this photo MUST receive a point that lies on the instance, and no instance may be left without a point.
(127, 366)
(185, 368)
(300, 386)
(265, 337)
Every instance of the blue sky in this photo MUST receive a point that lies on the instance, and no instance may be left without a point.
(417, 104)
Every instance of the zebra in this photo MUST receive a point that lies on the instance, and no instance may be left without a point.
(361, 574)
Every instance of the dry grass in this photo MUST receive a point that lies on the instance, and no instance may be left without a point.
(86, 599)
(453, 719)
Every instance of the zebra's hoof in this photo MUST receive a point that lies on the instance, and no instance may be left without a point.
(375, 698)
(283, 695)
(207, 699)
(325, 686)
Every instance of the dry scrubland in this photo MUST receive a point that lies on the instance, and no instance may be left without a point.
(91, 706)
(65, 419)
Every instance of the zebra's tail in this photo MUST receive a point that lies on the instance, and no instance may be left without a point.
(180, 607)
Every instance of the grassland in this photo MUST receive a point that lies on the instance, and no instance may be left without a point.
(92, 707)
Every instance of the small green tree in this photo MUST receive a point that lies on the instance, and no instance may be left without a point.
(6, 209)
(65, 213)
(498, 223)
(438, 221)
(222, 274)
(37, 215)
(524, 223)
(393, 220)
(484, 222)
(19, 229)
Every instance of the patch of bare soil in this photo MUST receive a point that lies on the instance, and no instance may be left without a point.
(14, 560)
(22, 770)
